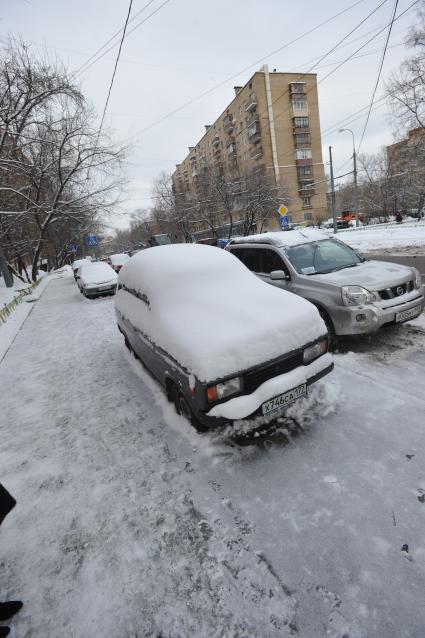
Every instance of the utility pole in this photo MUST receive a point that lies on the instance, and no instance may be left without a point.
(333, 204)
(356, 189)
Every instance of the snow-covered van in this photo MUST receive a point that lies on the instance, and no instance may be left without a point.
(224, 345)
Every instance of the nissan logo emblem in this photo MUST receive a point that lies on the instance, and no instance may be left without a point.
(400, 290)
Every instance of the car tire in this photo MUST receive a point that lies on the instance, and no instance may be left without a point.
(330, 328)
(183, 408)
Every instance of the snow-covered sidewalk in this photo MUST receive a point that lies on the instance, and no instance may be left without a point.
(129, 523)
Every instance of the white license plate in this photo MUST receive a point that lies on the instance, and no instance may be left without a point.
(278, 403)
(104, 287)
(408, 314)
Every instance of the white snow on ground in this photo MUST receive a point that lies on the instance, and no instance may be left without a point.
(10, 329)
(395, 237)
(129, 523)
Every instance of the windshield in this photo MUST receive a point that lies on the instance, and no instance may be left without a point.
(322, 256)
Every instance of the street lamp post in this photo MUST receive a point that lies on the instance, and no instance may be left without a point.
(356, 190)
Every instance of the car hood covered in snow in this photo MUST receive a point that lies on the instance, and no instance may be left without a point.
(97, 273)
(209, 312)
(370, 274)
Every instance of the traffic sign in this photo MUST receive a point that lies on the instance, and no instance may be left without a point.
(282, 210)
(90, 241)
(284, 221)
(72, 248)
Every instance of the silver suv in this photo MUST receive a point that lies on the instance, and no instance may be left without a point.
(354, 295)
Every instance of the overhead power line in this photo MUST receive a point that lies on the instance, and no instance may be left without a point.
(379, 74)
(87, 65)
(247, 68)
(114, 72)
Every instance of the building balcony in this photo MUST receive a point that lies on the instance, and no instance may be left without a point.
(255, 136)
(256, 152)
(216, 140)
(301, 129)
(306, 188)
(251, 103)
(216, 151)
(252, 117)
(228, 123)
(304, 162)
(297, 88)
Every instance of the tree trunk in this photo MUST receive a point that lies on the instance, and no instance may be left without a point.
(34, 270)
(4, 269)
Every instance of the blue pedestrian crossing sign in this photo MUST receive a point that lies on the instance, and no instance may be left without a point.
(72, 248)
(284, 221)
(90, 241)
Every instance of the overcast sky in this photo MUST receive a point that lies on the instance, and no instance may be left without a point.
(190, 46)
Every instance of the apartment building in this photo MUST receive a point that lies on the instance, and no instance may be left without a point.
(272, 122)
(406, 151)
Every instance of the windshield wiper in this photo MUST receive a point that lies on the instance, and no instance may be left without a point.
(325, 272)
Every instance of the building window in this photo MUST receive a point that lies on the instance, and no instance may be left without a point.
(303, 153)
(305, 170)
(299, 105)
(307, 204)
(297, 87)
(302, 138)
(301, 122)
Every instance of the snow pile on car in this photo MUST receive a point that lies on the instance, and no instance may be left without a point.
(209, 312)
(97, 272)
(119, 258)
(284, 238)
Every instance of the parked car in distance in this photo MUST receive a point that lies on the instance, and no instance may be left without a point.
(97, 279)
(117, 261)
(76, 265)
(247, 357)
(354, 295)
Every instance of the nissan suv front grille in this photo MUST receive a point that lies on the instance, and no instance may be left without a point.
(396, 291)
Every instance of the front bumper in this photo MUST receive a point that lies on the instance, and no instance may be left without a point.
(357, 320)
(249, 407)
(95, 292)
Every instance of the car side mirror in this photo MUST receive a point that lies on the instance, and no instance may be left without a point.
(279, 274)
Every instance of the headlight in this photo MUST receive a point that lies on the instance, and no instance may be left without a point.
(418, 278)
(224, 389)
(356, 296)
(316, 350)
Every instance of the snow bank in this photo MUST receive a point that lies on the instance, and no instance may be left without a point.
(209, 312)
(384, 238)
(97, 273)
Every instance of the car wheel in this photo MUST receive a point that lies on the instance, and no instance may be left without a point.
(330, 328)
(183, 408)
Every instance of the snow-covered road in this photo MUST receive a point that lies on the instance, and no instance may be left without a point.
(130, 524)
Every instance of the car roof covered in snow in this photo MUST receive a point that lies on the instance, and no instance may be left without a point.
(209, 312)
(79, 262)
(283, 238)
(97, 272)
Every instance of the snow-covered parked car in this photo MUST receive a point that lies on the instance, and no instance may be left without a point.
(76, 265)
(97, 279)
(250, 355)
(117, 261)
(354, 295)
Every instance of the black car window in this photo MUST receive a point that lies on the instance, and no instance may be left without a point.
(270, 261)
(249, 257)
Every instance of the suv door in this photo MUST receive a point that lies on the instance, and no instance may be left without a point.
(263, 261)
